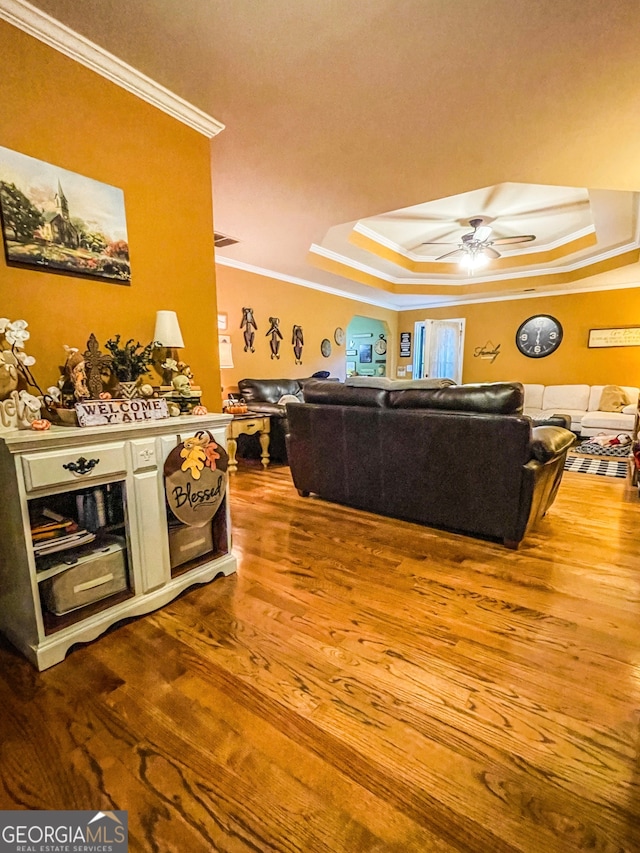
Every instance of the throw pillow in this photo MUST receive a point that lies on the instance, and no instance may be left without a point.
(613, 399)
(288, 398)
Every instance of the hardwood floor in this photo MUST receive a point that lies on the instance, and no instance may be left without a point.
(362, 684)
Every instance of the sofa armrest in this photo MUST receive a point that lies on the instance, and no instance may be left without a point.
(549, 442)
(276, 410)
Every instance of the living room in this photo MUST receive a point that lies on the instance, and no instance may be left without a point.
(361, 683)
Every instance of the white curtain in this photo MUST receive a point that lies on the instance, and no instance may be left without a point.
(444, 349)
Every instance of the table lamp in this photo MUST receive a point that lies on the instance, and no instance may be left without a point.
(167, 334)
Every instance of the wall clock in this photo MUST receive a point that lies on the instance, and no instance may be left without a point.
(380, 346)
(539, 336)
(338, 336)
(325, 347)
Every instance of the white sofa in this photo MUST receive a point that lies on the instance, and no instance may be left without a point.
(582, 403)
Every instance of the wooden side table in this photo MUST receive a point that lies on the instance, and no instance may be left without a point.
(248, 424)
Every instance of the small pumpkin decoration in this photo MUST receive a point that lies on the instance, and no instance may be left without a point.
(105, 395)
(41, 424)
(199, 410)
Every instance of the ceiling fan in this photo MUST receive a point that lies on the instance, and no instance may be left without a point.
(476, 247)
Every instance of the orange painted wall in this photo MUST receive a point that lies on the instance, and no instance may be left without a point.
(318, 313)
(573, 361)
(59, 111)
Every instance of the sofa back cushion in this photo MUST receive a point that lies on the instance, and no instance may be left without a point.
(533, 394)
(388, 384)
(595, 398)
(337, 394)
(561, 397)
(500, 398)
(268, 390)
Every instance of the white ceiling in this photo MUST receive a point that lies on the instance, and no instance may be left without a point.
(357, 130)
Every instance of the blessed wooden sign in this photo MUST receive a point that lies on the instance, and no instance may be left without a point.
(106, 412)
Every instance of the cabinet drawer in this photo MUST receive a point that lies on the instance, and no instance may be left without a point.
(73, 466)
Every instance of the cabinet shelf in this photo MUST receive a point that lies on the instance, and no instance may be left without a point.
(50, 602)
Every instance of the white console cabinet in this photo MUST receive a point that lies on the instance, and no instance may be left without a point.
(106, 485)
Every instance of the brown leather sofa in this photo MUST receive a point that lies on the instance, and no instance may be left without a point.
(461, 457)
(262, 395)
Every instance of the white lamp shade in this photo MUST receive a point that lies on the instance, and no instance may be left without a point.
(226, 355)
(167, 332)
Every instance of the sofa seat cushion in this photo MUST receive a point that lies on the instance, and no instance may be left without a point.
(566, 398)
(612, 421)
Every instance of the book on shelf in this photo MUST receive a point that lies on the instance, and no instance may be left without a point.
(63, 543)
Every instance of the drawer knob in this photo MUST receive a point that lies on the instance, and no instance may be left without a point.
(81, 466)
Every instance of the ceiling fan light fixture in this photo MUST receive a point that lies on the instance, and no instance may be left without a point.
(473, 260)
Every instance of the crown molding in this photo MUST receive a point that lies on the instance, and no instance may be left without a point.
(46, 29)
(303, 282)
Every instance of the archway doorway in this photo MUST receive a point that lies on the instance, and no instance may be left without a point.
(367, 347)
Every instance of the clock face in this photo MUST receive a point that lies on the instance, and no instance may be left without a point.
(338, 336)
(380, 345)
(539, 336)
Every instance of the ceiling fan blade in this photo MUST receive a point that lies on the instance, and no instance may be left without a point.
(491, 253)
(482, 233)
(505, 241)
(449, 254)
(440, 243)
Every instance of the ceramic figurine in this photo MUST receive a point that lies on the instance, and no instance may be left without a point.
(8, 375)
(182, 385)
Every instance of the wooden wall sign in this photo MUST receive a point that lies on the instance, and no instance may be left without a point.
(195, 479)
(106, 412)
(625, 336)
(488, 351)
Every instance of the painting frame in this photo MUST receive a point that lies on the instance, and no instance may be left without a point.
(57, 221)
(365, 353)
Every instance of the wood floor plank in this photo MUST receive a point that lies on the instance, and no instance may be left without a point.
(362, 684)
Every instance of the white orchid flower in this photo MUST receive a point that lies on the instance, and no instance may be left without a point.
(27, 360)
(31, 402)
(16, 333)
(54, 391)
(170, 364)
(4, 322)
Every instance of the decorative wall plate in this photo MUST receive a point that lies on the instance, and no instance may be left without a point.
(338, 336)
(325, 347)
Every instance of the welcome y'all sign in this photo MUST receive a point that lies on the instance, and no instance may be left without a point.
(106, 412)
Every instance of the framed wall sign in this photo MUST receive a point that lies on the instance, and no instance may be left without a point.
(623, 336)
(405, 344)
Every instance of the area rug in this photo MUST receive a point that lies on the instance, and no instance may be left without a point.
(594, 449)
(605, 467)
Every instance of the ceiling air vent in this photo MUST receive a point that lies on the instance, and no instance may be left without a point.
(223, 240)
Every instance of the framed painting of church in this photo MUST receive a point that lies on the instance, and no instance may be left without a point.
(59, 221)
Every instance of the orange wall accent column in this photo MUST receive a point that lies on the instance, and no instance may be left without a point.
(58, 111)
